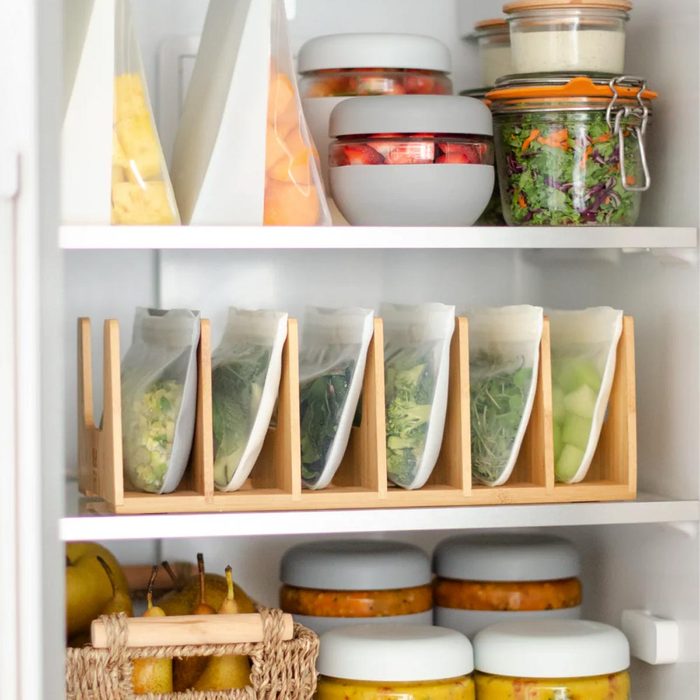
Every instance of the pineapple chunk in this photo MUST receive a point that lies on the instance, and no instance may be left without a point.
(140, 143)
(147, 206)
(129, 97)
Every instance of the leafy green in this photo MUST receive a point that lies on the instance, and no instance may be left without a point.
(237, 386)
(563, 168)
(322, 401)
(410, 386)
(499, 391)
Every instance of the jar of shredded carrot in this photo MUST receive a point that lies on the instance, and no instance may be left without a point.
(482, 580)
(327, 584)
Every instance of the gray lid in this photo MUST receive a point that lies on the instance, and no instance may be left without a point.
(506, 557)
(355, 565)
(411, 114)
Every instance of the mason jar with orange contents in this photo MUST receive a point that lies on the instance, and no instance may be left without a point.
(328, 584)
(482, 580)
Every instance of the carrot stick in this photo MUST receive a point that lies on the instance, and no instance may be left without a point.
(533, 135)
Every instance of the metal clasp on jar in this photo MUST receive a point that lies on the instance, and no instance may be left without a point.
(616, 115)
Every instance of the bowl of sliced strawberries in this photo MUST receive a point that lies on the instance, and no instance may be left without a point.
(437, 158)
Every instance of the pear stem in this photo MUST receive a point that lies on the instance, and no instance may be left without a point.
(171, 573)
(109, 573)
(149, 590)
(200, 566)
(229, 582)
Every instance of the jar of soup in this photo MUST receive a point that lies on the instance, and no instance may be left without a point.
(395, 662)
(327, 584)
(485, 579)
(570, 150)
(493, 39)
(583, 36)
(339, 66)
(552, 660)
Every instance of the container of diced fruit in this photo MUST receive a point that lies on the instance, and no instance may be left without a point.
(411, 160)
(338, 66)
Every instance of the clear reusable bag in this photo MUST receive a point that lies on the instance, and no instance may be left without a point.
(504, 346)
(416, 376)
(294, 194)
(584, 353)
(159, 398)
(141, 189)
(246, 370)
(332, 366)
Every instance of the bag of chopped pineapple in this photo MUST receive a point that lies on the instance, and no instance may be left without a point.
(416, 376)
(246, 370)
(332, 361)
(504, 351)
(159, 398)
(249, 166)
(584, 355)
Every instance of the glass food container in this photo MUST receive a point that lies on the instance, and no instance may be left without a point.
(570, 150)
(552, 660)
(395, 662)
(436, 158)
(339, 66)
(485, 579)
(327, 584)
(584, 36)
(493, 39)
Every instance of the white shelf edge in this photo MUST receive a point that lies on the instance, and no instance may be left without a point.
(647, 509)
(304, 238)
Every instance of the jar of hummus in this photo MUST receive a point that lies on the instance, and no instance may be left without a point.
(328, 584)
(485, 579)
(552, 660)
(395, 662)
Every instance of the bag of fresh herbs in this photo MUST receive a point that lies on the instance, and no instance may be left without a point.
(246, 369)
(332, 360)
(584, 354)
(504, 346)
(416, 373)
(159, 397)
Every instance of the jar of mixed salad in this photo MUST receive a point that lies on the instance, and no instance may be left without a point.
(570, 150)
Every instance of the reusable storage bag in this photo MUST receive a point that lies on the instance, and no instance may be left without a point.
(246, 369)
(113, 165)
(504, 346)
(331, 369)
(584, 352)
(416, 374)
(159, 397)
(243, 153)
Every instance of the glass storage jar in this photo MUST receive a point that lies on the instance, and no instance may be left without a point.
(493, 40)
(552, 660)
(395, 662)
(585, 36)
(339, 66)
(570, 150)
(327, 584)
(484, 579)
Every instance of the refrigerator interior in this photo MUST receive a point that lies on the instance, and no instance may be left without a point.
(654, 567)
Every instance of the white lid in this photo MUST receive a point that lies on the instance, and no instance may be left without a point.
(506, 557)
(395, 652)
(355, 565)
(551, 649)
(374, 51)
(406, 114)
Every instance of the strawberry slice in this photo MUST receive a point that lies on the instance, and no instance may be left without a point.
(419, 85)
(411, 153)
(459, 153)
(362, 154)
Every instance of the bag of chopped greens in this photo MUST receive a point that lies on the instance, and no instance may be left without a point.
(584, 353)
(504, 346)
(159, 398)
(416, 374)
(246, 369)
(332, 366)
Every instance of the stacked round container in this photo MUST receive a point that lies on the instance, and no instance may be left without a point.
(395, 662)
(483, 580)
(493, 42)
(327, 584)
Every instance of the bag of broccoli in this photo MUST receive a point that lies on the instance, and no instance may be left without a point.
(504, 345)
(246, 369)
(584, 354)
(332, 360)
(159, 398)
(416, 376)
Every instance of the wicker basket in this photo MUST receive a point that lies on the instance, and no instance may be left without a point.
(280, 670)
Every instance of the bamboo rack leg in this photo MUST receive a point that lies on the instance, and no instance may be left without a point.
(112, 488)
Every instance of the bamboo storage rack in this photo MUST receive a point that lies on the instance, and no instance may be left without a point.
(361, 482)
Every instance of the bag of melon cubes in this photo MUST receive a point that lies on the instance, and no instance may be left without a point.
(243, 154)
